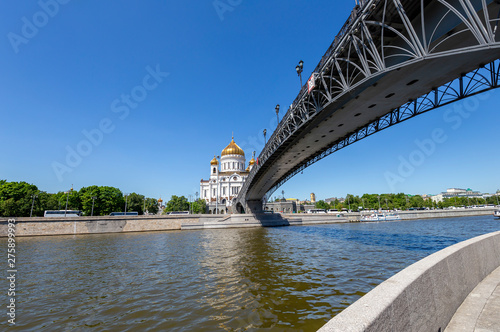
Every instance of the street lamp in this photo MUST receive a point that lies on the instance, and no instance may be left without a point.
(93, 199)
(125, 204)
(283, 193)
(349, 202)
(386, 205)
(277, 109)
(265, 132)
(144, 208)
(299, 69)
(190, 206)
(363, 200)
(32, 203)
(217, 189)
(67, 198)
(378, 202)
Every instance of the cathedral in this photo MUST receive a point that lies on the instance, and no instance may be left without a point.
(227, 176)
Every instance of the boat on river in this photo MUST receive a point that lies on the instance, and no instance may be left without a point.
(497, 213)
(381, 217)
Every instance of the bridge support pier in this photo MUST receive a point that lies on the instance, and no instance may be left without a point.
(254, 207)
(251, 207)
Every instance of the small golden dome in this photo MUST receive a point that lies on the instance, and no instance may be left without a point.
(232, 148)
(160, 200)
(214, 162)
(252, 161)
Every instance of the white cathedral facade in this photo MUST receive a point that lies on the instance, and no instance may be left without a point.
(226, 179)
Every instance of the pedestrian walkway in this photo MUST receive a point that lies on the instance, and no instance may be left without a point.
(480, 312)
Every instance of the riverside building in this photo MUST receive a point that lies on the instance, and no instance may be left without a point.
(457, 192)
(227, 176)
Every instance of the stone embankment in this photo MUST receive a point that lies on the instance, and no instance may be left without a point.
(426, 295)
(117, 224)
(431, 214)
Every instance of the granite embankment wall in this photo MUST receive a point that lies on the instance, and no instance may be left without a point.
(430, 214)
(425, 295)
(94, 225)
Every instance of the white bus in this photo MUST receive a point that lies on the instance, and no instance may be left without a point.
(132, 213)
(316, 211)
(179, 212)
(62, 213)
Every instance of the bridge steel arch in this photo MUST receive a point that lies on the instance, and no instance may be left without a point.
(391, 61)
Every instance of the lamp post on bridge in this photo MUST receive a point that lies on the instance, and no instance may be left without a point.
(299, 69)
(277, 109)
(265, 132)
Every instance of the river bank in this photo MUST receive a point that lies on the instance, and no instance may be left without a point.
(40, 226)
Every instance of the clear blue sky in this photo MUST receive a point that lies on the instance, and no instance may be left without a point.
(214, 73)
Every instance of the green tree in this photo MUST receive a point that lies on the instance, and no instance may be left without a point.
(16, 198)
(135, 202)
(177, 203)
(107, 200)
(152, 205)
(322, 205)
(199, 206)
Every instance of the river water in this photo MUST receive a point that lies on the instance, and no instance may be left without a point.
(258, 279)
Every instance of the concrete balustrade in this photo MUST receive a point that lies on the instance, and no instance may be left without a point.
(425, 295)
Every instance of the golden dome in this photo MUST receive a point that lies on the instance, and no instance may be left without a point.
(214, 162)
(252, 161)
(232, 148)
(160, 200)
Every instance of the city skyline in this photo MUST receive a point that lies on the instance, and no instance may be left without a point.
(141, 96)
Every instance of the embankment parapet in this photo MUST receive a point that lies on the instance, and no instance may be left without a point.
(424, 296)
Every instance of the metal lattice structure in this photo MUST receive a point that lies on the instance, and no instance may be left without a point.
(391, 61)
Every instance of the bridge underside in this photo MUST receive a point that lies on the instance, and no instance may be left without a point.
(363, 105)
(330, 123)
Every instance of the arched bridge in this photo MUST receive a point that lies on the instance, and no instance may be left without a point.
(391, 61)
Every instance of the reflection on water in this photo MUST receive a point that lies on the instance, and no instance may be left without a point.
(273, 279)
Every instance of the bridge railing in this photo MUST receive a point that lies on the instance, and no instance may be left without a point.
(355, 14)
